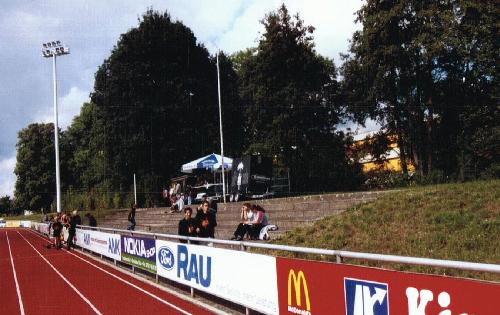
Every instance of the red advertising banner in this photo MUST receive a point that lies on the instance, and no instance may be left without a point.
(309, 287)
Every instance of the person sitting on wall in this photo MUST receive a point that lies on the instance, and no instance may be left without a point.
(206, 221)
(259, 221)
(187, 226)
(246, 217)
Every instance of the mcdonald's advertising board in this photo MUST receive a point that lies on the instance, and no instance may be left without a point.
(308, 287)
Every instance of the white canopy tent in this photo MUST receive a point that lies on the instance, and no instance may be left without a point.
(210, 162)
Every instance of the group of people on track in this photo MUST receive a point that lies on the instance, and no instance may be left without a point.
(62, 221)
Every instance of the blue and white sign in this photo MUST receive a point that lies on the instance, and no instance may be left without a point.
(166, 258)
(106, 244)
(366, 297)
(244, 278)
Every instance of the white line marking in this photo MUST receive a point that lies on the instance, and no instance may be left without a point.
(65, 280)
(21, 306)
(129, 283)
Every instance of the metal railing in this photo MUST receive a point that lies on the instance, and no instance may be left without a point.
(339, 254)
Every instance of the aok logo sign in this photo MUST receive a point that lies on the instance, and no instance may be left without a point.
(297, 282)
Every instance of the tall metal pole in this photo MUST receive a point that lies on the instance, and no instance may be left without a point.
(56, 136)
(221, 137)
(135, 192)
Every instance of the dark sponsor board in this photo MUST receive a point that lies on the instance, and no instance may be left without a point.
(139, 252)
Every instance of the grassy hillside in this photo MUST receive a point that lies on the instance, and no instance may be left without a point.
(454, 221)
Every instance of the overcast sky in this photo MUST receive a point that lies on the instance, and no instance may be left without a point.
(92, 27)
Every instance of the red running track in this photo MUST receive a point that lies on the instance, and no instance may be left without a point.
(38, 280)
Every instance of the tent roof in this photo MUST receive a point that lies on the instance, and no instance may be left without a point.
(208, 162)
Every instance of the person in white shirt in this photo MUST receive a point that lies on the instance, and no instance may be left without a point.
(247, 216)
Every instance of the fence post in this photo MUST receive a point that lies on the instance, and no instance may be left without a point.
(339, 259)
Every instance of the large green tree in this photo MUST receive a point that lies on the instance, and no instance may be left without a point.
(84, 163)
(289, 92)
(426, 70)
(35, 167)
(156, 103)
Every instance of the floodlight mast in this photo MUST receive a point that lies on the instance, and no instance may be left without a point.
(52, 50)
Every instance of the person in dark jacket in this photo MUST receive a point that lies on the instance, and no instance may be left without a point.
(131, 217)
(206, 221)
(57, 227)
(73, 222)
(187, 226)
(91, 219)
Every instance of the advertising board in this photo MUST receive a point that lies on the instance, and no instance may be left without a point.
(139, 252)
(244, 278)
(13, 223)
(308, 287)
(106, 244)
(41, 227)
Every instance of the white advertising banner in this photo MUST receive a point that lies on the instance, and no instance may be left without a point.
(41, 227)
(106, 244)
(244, 278)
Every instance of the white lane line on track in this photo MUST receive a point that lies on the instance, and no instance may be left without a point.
(127, 282)
(21, 305)
(64, 278)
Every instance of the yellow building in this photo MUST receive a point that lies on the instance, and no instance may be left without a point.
(389, 161)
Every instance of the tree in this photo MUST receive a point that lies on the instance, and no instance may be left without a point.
(156, 103)
(407, 67)
(289, 92)
(84, 167)
(35, 167)
(5, 204)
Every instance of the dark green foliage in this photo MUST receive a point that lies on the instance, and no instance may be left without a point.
(35, 167)
(5, 205)
(289, 93)
(427, 69)
(157, 106)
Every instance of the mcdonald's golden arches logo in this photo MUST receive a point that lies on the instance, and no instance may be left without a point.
(299, 282)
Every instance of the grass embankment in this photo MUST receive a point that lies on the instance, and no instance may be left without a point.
(453, 221)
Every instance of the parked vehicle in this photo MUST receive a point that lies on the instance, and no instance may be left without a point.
(212, 191)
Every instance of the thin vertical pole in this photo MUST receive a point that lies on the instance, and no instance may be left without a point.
(56, 137)
(135, 191)
(221, 137)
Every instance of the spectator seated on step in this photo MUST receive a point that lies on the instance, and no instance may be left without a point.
(259, 221)
(246, 217)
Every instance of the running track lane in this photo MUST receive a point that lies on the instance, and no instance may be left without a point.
(9, 301)
(42, 290)
(105, 287)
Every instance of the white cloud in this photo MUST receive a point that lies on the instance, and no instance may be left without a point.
(68, 107)
(7, 176)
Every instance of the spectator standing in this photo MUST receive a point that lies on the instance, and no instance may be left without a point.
(206, 221)
(131, 217)
(187, 226)
(56, 231)
(91, 219)
(73, 222)
(246, 216)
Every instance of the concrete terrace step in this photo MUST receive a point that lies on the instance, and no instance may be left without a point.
(286, 213)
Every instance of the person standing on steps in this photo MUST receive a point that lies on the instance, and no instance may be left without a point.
(131, 217)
